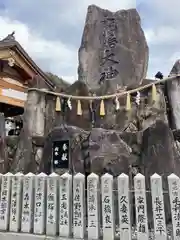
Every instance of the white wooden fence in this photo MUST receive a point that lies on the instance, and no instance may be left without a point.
(55, 205)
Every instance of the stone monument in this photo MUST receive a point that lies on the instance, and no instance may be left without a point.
(113, 49)
(113, 56)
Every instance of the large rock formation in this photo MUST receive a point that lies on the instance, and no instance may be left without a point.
(173, 93)
(120, 141)
(137, 141)
(113, 50)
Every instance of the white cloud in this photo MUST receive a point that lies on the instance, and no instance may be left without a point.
(175, 56)
(76, 10)
(52, 56)
(163, 35)
(168, 9)
(111, 5)
(70, 79)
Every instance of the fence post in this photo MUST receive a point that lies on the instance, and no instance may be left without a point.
(107, 206)
(141, 207)
(93, 206)
(124, 207)
(174, 194)
(40, 201)
(65, 199)
(16, 203)
(158, 207)
(28, 203)
(5, 201)
(0, 180)
(79, 205)
(52, 204)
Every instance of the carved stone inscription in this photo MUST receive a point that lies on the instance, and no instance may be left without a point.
(108, 58)
(113, 50)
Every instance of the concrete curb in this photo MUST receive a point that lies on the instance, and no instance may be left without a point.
(25, 236)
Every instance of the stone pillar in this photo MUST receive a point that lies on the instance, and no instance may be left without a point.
(141, 207)
(124, 207)
(173, 91)
(35, 112)
(107, 207)
(0, 180)
(65, 198)
(40, 201)
(28, 203)
(174, 194)
(5, 201)
(93, 206)
(33, 128)
(79, 206)
(3, 154)
(52, 205)
(35, 118)
(158, 207)
(16, 203)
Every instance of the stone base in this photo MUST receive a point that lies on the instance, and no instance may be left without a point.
(22, 236)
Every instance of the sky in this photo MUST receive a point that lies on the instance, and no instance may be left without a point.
(51, 31)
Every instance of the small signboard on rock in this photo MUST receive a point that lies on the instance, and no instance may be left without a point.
(60, 154)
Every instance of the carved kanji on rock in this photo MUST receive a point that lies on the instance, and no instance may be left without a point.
(109, 49)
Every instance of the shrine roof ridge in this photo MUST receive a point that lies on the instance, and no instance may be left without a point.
(10, 42)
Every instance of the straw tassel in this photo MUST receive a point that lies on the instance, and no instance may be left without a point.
(154, 93)
(79, 108)
(58, 104)
(102, 108)
(128, 102)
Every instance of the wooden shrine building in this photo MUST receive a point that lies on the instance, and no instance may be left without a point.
(18, 72)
